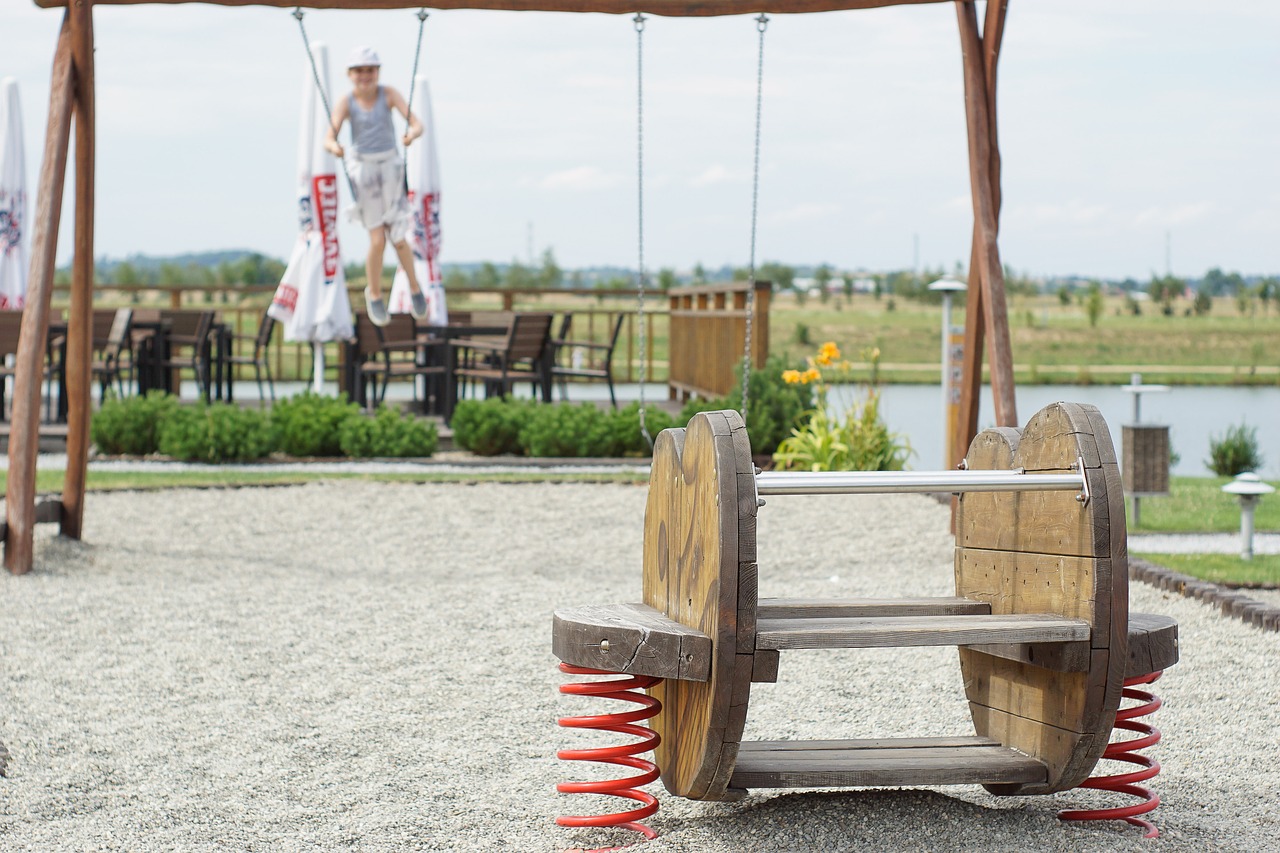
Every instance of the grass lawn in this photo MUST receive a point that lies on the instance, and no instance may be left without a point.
(1198, 505)
(1262, 571)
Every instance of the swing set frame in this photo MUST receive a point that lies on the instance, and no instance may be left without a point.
(71, 94)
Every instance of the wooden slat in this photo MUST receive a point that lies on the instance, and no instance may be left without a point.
(922, 761)
(20, 490)
(630, 638)
(811, 608)
(900, 631)
(672, 8)
(1153, 644)
(1058, 657)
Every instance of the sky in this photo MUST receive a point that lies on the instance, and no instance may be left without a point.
(1135, 134)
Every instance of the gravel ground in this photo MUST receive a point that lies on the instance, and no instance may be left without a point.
(367, 666)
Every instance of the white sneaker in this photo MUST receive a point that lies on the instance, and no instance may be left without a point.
(418, 305)
(377, 309)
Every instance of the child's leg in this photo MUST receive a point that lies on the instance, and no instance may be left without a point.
(373, 263)
(406, 261)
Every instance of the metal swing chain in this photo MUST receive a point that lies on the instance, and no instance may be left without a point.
(324, 98)
(762, 23)
(413, 81)
(639, 20)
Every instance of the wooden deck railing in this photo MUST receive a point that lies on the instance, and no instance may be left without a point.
(594, 313)
(708, 326)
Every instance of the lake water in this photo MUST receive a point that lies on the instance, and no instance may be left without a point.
(1192, 413)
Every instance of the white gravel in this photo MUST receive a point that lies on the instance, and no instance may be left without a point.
(367, 666)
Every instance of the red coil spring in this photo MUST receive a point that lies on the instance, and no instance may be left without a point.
(1126, 750)
(627, 689)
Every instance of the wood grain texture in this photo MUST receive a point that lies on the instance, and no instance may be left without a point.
(20, 489)
(811, 608)
(1048, 553)
(915, 761)
(1153, 644)
(692, 561)
(630, 638)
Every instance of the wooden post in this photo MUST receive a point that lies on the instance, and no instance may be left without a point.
(79, 361)
(985, 307)
(24, 441)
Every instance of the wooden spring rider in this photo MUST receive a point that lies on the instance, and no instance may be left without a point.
(1040, 616)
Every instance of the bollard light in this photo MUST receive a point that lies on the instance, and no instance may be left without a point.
(1249, 488)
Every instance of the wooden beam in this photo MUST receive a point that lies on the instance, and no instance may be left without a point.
(668, 8)
(78, 364)
(974, 339)
(981, 144)
(20, 492)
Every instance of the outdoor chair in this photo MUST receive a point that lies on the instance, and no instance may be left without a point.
(597, 367)
(499, 363)
(258, 358)
(10, 329)
(113, 349)
(187, 345)
(391, 352)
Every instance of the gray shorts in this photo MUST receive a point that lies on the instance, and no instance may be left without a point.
(380, 197)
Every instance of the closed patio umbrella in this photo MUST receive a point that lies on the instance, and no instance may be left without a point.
(424, 200)
(14, 239)
(311, 301)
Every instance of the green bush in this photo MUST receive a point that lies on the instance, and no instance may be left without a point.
(567, 430)
(388, 434)
(310, 424)
(774, 407)
(222, 432)
(625, 438)
(490, 427)
(131, 425)
(862, 443)
(1235, 452)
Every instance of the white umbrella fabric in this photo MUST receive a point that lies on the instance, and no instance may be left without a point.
(424, 201)
(14, 239)
(311, 301)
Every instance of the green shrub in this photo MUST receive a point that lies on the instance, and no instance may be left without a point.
(222, 432)
(490, 427)
(131, 425)
(625, 438)
(567, 430)
(310, 424)
(862, 443)
(388, 434)
(1235, 452)
(774, 406)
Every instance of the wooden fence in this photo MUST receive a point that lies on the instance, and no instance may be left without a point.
(242, 306)
(708, 328)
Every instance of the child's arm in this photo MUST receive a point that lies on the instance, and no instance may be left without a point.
(396, 101)
(341, 110)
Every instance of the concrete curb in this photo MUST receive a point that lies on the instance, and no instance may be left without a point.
(1231, 602)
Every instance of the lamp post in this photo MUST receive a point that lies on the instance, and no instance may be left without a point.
(1249, 488)
(947, 287)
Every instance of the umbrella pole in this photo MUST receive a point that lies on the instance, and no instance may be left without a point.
(317, 367)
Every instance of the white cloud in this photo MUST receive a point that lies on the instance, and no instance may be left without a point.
(580, 179)
(804, 212)
(1178, 214)
(714, 174)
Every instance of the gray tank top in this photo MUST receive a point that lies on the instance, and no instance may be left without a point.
(371, 129)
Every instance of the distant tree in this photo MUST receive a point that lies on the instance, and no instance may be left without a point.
(1093, 304)
(487, 277)
(822, 278)
(1203, 303)
(667, 278)
(170, 273)
(550, 274)
(1064, 296)
(518, 277)
(847, 283)
(126, 273)
(1165, 289)
(576, 280)
(1268, 291)
(456, 279)
(699, 273)
(782, 276)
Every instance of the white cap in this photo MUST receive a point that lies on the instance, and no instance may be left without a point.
(363, 56)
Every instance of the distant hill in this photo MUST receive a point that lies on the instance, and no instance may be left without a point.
(149, 263)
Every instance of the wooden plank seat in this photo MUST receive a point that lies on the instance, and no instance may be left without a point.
(1040, 616)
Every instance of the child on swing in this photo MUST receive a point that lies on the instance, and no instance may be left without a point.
(377, 175)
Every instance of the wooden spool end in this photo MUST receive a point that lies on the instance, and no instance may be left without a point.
(1048, 553)
(699, 571)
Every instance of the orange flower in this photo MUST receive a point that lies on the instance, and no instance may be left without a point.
(828, 351)
(810, 375)
(791, 377)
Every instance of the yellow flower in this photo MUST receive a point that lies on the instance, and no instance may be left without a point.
(828, 351)
(791, 377)
(810, 375)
